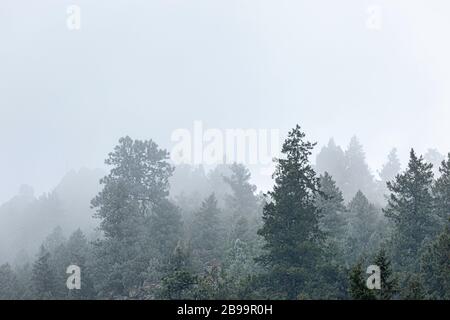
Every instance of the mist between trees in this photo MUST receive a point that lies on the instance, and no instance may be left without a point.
(150, 230)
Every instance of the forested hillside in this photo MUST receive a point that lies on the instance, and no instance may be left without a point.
(150, 230)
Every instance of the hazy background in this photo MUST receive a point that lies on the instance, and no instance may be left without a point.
(147, 68)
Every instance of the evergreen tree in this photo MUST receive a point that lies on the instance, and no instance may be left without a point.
(441, 191)
(9, 284)
(133, 202)
(242, 202)
(78, 252)
(410, 207)
(240, 267)
(179, 281)
(391, 168)
(330, 202)
(206, 233)
(362, 237)
(54, 239)
(55, 245)
(217, 183)
(293, 241)
(357, 172)
(434, 157)
(24, 276)
(388, 280)
(412, 288)
(212, 285)
(435, 267)
(358, 289)
(44, 278)
(331, 159)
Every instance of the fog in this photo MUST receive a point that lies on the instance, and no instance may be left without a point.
(149, 68)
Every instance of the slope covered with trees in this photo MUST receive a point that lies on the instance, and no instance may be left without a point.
(185, 233)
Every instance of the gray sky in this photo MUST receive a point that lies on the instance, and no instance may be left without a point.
(147, 68)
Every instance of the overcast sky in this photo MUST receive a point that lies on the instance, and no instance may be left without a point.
(147, 68)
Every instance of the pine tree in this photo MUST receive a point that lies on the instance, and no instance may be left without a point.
(24, 276)
(434, 157)
(240, 266)
(413, 288)
(206, 233)
(441, 191)
(388, 280)
(357, 172)
(391, 168)
(362, 238)
(55, 244)
(132, 204)
(293, 241)
(9, 284)
(180, 280)
(54, 239)
(242, 202)
(358, 289)
(410, 207)
(212, 285)
(44, 278)
(330, 202)
(78, 252)
(435, 266)
(331, 159)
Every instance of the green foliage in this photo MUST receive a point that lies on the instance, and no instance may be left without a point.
(293, 241)
(412, 287)
(79, 253)
(242, 202)
(441, 191)
(330, 203)
(389, 282)
(44, 277)
(296, 242)
(435, 267)
(362, 238)
(206, 233)
(212, 285)
(179, 281)
(357, 288)
(137, 220)
(410, 207)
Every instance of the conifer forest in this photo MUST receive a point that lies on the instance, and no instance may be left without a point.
(224, 150)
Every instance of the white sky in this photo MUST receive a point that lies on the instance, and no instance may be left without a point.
(146, 68)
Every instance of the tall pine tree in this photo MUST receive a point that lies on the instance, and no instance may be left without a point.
(293, 241)
(358, 289)
(9, 284)
(391, 168)
(44, 277)
(132, 204)
(330, 202)
(206, 234)
(388, 280)
(410, 207)
(179, 281)
(435, 266)
(242, 203)
(362, 238)
(441, 191)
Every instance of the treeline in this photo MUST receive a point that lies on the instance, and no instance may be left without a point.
(311, 237)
